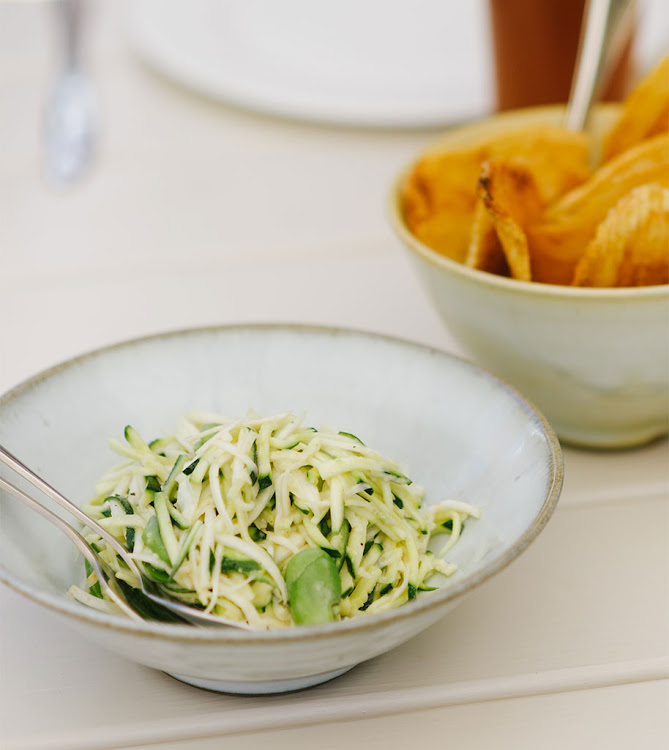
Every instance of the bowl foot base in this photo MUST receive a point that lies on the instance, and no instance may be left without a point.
(265, 687)
(608, 439)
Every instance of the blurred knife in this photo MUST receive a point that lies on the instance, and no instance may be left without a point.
(70, 127)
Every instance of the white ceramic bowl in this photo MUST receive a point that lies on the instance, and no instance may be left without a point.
(595, 361)
(462, 433)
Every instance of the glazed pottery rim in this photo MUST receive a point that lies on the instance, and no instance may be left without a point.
(491, 280)
(232, 636)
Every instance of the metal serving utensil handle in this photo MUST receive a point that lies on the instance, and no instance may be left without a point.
(605, 29)
(78, 541)
(23, 471)
(191, 613)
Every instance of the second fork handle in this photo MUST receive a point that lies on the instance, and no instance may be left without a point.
(23, 471)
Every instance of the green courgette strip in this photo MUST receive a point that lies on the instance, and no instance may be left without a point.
(217, 511)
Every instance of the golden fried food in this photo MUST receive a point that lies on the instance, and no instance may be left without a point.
(485, 251)
(439, 199)
(560, 156)
(645, 113)
(559, 239)
(508, 192)
(631, 246)
(439, 196)
(527, 204)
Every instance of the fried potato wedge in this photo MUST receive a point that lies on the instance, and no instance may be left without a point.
(510, 195)
(525, 203)
(447, 233)
(438, 200)
(631, 246)
(645, 113)
(485, 251)
(560, 157)
(559, 238)
(439, 196)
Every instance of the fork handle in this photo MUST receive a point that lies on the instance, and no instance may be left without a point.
(23, 471)
(76, 538)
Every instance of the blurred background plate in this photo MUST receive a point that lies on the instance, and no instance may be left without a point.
(375, 63)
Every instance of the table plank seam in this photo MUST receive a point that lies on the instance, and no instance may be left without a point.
(314, 710)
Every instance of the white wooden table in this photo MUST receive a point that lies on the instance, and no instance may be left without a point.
(234, 217)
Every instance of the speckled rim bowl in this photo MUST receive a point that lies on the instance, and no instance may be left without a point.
(271, 661)
(582, 381)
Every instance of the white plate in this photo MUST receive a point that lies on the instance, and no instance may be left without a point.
(375, 63)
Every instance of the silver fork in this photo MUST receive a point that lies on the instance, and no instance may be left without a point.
(79, 542)
(107, 582)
